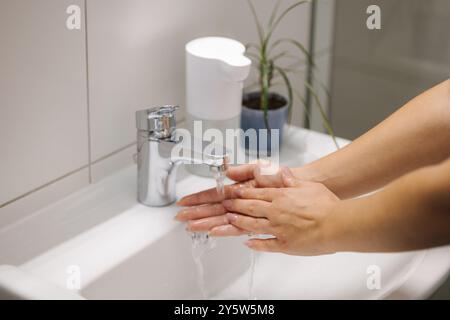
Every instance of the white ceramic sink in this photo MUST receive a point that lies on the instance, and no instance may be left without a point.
(124, 250)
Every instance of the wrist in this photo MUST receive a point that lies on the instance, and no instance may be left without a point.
(337, 227)
(310, 172)
(317, 173)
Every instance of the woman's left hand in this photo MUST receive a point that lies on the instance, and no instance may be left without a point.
(296, 216)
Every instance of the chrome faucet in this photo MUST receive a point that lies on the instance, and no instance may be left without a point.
(160, 151)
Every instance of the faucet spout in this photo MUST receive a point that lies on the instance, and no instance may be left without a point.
(200, 153)
(161, 152)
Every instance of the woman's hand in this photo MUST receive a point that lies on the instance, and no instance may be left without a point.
(296, 216)
(205, 211)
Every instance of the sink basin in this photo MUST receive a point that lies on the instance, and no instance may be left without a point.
(124, 250)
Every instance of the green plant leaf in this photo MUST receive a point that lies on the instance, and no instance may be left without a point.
(325, 120)
(288, 87)
(256, 84)
(265, 88)
(252, 56)
(303, 101)
(323, 87)
(267, 66)
(285, 54)
(249, 46)
(288, 71)
(258, 23)
(317, 80)
(295, 43)
(274, 12)
(280, 55)
(280, 18)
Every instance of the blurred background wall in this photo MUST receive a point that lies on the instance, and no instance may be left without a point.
(374, 72)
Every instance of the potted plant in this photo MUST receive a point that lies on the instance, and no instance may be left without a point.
(266, 108)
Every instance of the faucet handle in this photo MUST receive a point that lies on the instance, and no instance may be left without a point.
(159, 120)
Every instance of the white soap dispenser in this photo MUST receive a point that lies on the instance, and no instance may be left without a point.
(216, 68)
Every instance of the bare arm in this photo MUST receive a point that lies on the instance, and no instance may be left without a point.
(416, 135)
(411, 213)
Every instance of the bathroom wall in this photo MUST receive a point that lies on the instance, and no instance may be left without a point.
(323, 48)
(375, 72)
(67, 97)
(43, 106)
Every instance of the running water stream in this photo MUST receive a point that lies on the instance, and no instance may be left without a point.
(202, 243)
(251, 277)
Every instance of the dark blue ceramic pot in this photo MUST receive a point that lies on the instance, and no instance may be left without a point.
(253, 118)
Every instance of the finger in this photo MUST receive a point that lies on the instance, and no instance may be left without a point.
(202, 211)
(267, 175)
(241, 173)
(212, 196)
(266, 245)
(264, 172)
(206, 224)
(255, 208)
(289, 180)
(263, 194)
(203, 197)
(227, 230)
(255, 225)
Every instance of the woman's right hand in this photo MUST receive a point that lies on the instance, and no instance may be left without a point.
(204, 211)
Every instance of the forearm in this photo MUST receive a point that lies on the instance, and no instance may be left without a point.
(410, 213)
(416, 135)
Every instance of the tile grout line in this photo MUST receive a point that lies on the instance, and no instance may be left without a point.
(88, 92)
(117, 151)
(87, 166)
(105, 157)
(43, 186)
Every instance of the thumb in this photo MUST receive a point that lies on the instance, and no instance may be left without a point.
(289, 180)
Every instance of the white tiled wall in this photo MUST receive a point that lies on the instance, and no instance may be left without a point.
(43, 100)
(67, 117)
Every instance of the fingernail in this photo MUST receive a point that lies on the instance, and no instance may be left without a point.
(238, 192)
(180, 202)
(215, 231)
(181, 215)
(248, 243)
(232, 217)
(190, 225)
(185, 200)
